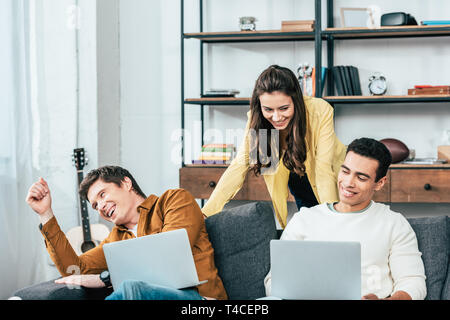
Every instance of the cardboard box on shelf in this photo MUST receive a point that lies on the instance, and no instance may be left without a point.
(297, 25)
(444, 152)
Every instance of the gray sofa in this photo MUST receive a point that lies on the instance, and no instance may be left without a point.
(241, 238)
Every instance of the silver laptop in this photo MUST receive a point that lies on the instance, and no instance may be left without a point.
(163, 259)
(315, 270)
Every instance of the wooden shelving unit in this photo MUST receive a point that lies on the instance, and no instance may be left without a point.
(406, 182)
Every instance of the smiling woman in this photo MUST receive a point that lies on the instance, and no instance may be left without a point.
(278, 109)
(290, 140)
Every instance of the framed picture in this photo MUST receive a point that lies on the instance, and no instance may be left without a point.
(355, 17)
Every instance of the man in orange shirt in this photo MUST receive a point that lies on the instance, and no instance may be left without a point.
(114, 193)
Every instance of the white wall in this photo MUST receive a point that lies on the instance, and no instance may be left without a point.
(150, 91)
(107, 49)
(64, 108)
(75, 96)
(150, 77)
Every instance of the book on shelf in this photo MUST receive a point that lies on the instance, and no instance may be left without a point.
(338, 82)
(429, 90)
(346, 80)
(218, 147)
(209, 162)
(356, 83)
(215, 154)
(220, 93)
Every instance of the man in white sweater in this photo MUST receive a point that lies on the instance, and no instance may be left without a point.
(391, 264)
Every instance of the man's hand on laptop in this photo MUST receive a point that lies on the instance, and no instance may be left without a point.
(84, 280)
(398, 295)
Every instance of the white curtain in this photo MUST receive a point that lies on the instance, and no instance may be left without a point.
(22, 261)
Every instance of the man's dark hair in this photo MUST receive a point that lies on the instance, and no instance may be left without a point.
(108, 174)
(373, 149)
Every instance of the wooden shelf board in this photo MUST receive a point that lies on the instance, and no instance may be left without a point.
(393, 98)
(392, 166)
(206, 165)
(334, 99)
(420, 166)
(251, 35)
(218, 101)
(399, 31)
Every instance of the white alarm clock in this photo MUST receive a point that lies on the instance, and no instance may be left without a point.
(377, 84)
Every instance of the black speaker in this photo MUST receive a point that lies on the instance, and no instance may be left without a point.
(398, 19)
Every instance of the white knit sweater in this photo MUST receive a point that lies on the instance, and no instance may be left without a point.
(390, 259)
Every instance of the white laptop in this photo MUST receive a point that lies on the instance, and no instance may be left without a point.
(163, 259)
(315, 270)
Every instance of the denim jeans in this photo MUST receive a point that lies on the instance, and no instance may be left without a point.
(138, 290)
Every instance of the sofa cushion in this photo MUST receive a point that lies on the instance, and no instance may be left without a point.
(446, 290)
(241, 240)
(433, 241)
(50, 290)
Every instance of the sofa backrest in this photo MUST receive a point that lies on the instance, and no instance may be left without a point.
(241, 241)
(446, 290)
(433, 237)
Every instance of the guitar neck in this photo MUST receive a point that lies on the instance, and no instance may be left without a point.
(84, 212)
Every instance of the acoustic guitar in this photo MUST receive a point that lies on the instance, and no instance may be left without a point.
(85, 237)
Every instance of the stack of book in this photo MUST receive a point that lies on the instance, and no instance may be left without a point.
(216, 154)
(220, 93)
(346, 80)
(297, 25)
(429, 90)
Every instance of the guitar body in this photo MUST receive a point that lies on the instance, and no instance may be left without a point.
(75, 236)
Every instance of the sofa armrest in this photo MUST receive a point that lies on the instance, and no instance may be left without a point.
(53, 291)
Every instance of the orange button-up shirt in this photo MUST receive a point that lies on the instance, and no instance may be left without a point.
(174, 209)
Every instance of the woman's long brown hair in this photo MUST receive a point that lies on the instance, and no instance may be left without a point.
(276, 78)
